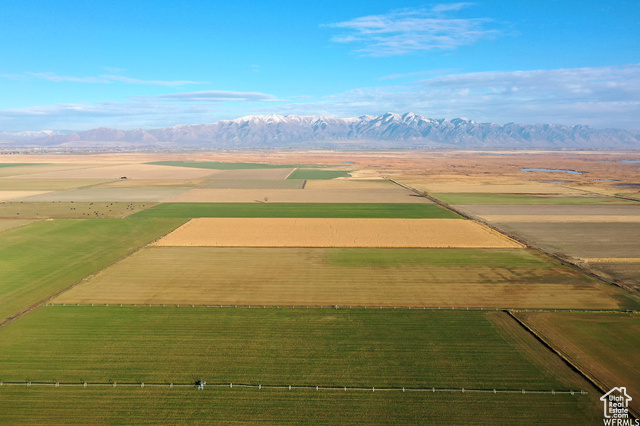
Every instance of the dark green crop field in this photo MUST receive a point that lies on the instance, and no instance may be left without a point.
(40, 405)
(331, 347)
(317, 210)
(317, 174)
(42, 258)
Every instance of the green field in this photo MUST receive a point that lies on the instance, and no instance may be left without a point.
(603, 345)
(38, 405)
(317, 174)
(330, 347)
(223, 166)
(505, 199)
(42, 258)
(69, 209)
(317, 210)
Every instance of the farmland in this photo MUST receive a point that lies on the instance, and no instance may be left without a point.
(19, 405)
(69, 209)
(410, 348)
(340, 232)
(345, 277)
(544, 199)
(40, 259)
(317, 174)
(319, 210)
(341, 277)
(603, 345)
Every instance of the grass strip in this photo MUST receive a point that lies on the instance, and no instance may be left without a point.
(302, 210)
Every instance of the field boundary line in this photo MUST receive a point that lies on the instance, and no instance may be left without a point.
(203, 384)
(562, 259)
(565, 358)
(44, 301)
(290, 173)
(371, 307)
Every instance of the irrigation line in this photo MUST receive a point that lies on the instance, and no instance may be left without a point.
(432, 308)
(295, 387)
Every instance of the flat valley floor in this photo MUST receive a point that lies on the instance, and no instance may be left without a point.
(318, 287)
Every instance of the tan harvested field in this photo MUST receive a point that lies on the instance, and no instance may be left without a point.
(524, 188)
(561, 218)
(7, 184)
(255, 184)
(290, 232)
(130, 171)
(105, 195)
(42, 210)
(580, 239)
(14, 195)
(6, 224)
(390, 195)
(28, 171)
(254, 174)
(604, 346)
(554, 210)
(309, 276)
(154, 183)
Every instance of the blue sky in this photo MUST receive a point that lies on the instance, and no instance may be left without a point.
(83, 64)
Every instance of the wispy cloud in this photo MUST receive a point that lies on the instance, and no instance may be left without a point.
(109, 78)
(218, 96)
(597, 96)
(411, 30)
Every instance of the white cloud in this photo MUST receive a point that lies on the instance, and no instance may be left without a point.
(218, 96)
(410, 30)
(598, 96)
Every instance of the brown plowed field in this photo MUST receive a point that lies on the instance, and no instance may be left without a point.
(562, 218)
(579, 210)
(581, 240)
(289, 232)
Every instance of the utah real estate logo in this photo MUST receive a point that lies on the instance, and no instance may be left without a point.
(616, 408)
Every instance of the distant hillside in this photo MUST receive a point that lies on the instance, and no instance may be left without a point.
(388, 131)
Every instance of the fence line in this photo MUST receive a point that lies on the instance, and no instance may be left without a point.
(436, 308)
(294, 387)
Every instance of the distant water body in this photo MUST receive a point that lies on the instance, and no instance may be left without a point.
(571, 172)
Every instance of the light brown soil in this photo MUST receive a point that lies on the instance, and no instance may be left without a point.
(390, 195)
(14, 195)
(130, 171)
(286, 232)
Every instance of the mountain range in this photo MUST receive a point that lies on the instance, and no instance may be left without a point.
(387, 131)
